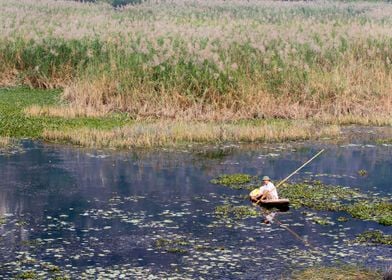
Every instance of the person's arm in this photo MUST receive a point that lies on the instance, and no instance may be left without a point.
(264, 196)
(261, 192)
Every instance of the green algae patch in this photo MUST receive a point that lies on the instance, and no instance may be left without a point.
(380, 212)
(236, 212)
(348, 272)
(318, 196)
(374, 237)
(234, 181)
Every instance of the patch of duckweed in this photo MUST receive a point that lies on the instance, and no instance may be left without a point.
(319, 196)
(374, 237)
(236, 212)
(237, 181)
(232, 180)
(380, 212)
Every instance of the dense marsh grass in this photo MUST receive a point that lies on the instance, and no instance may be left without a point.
(39, 114)
(166, 133)
(205, 60)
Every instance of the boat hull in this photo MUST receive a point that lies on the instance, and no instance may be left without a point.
(277, 203)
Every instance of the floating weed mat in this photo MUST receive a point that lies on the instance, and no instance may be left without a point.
(235, 181)
(374, 237)
(318, 196)
(379, 211)
(227, 211)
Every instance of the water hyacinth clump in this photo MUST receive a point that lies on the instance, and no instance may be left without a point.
(206, 60)
(374, 237)
(235, 181)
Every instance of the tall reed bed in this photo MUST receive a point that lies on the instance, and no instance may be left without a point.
(166, 133)
(205, 60)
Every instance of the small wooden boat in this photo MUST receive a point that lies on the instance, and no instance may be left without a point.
(282, 204)
(273, 202)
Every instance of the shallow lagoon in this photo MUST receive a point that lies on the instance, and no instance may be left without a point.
(89, 213)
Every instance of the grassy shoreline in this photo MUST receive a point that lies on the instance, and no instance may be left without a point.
(121, 131)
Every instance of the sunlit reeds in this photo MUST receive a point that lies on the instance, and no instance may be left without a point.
(166, 133)
(204, 60)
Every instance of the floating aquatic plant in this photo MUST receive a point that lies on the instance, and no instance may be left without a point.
(374, 237)
(232, 180)
(380, 212)
(237, 212)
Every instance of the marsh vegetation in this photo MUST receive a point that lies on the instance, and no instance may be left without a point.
(212, 60)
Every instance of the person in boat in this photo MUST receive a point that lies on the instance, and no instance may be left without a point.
(267, 191)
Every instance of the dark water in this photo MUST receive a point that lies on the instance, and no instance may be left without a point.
(99, 214)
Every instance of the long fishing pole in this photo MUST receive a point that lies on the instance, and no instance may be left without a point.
(292, 174)
(302, 166)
